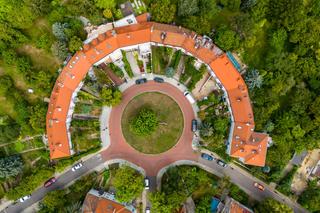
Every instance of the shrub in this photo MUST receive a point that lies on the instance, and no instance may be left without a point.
(10, 166)
(144, 123)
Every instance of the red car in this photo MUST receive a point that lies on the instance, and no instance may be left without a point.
(50, 182)
(259, 186)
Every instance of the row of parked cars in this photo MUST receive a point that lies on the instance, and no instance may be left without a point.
(144, 80)
(209, 157)
(51, 181)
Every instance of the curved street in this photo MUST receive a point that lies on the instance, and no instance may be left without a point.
(182, 152)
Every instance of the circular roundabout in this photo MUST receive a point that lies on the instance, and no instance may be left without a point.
(152, 158)
(152, 122)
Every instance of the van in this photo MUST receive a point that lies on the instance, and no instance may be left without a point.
(189, 97)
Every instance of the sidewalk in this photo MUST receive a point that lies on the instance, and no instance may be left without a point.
(104, 130)
(150, 77)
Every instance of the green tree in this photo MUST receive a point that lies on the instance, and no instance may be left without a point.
(203, 205)
(160, 203)
(6, 83)
(187, 7)
(128, 184)
(59, 49)
(310, 198)
(110, 97)
(10, 166)
(199, 24)
(58, 30)
(227, 39)
(253, 79)
(38, 117)
(163, 11)
(233, 5)
(105, 4)
(145, 123)
(75, 44)
(271, 205)
(29, 183)
(107, 13)
(54, 200)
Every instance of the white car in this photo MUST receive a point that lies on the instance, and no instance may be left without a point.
(77, 166)
(146, 183)
(147, 209)
(27, 197)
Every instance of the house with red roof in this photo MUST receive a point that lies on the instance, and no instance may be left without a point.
(244, 143)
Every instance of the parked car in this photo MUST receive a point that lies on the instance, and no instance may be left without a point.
(222, 163)
(194, 125)
(23, 199)
(206, 156)
(50, 182)
(158, 79)
(189, 97)
(147, 209)
(77, 166)
(146, 183)
(141, 81)
(258, 186)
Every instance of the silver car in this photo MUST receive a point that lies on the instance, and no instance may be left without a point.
(23, 199)
(77, 166)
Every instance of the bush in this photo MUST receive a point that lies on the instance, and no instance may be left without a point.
(116, 70)
(144, 123)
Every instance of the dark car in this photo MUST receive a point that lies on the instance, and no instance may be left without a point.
(158, 79)
(206, 156)
(221, 163)
(194, 125)
(50, 182)
(141, 81)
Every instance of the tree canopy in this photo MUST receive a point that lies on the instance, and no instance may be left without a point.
(10, 166)
(145, 123)
(110, 97)
(128, 184)
(271, 205)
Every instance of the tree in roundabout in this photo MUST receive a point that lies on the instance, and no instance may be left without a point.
(145, 122)
(152, 123)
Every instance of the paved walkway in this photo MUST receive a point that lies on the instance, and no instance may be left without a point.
(133, 63)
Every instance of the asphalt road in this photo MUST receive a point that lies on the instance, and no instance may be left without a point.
(62, 181)
(237, 176)
(245, 181)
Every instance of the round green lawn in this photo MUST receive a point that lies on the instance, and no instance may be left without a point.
(170, 123)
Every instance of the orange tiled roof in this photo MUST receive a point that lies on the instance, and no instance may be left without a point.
(143, 17)
(236, 207)
(174, 36)
(96, 204)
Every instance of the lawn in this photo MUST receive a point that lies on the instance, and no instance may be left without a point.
(170, 123)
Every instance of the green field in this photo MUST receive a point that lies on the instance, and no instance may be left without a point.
(170, 123)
